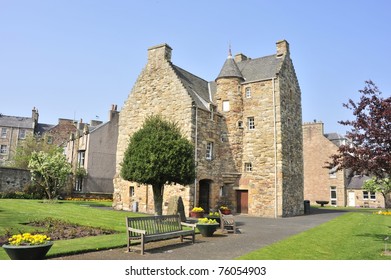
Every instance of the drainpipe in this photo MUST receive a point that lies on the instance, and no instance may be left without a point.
(195, 153)
(275, 150)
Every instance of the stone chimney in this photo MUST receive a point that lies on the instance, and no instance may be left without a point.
(240, 57)
(282, 48)
(113, 112)
(159, 54)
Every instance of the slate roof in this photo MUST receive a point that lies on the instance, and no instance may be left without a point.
(249, 70)
(21, 122)
(357, 181)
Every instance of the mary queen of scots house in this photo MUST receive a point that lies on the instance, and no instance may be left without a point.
(245, 126)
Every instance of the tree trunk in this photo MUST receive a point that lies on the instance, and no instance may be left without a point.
(158, 198)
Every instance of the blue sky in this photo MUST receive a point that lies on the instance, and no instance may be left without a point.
(73, 59)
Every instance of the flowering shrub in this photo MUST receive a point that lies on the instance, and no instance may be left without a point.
(215, 214)
(197, 209)
(28, 239)
(385, 213)
(207, 221)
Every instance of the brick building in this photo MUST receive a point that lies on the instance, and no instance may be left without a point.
(320, 183)
(245, 125)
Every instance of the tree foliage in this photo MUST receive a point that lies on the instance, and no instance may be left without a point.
(382, 186)
(369, 149)
(50, 171)
(157, 155)
(32, 143)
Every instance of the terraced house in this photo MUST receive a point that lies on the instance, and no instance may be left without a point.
(245, 126)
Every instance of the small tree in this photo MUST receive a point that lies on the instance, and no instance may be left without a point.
(158, 154)
(32, 143)
(50, 172)
(382, 186)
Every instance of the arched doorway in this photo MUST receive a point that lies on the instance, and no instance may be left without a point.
(204, 194)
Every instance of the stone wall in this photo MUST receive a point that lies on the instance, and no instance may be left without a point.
(12, 179)
(317, 180)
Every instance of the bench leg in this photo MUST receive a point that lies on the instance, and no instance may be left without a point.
(142, 244)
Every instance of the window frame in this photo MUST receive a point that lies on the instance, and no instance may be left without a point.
(248, 167)
(4, 132)
(251, 123)
(209, 150)
(247, 92)
(3, 149)
(225, 106)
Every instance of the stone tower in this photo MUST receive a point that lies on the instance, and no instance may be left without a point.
(245, 126)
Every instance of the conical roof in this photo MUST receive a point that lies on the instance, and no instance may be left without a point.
(230, 69)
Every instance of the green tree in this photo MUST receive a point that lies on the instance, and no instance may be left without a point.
(158, 154)
(32, 143)
(50, 171)
(382, 186)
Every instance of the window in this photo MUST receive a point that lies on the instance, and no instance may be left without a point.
(209, 150)
(248, 167)
(250, 123)
(333, 195)
(248, 92)
(131, 191)
(3, 132)
(240, 124)
(3, 149)
(50, 139)
(79, 184)
(368, 195)
(80, 158)
(211, 111)
(22, 134)
(225, 106)
(224, 137)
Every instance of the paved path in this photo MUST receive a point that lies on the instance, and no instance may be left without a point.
(254, 233)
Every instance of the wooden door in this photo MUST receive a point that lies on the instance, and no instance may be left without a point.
(204, 195)
(242, 202)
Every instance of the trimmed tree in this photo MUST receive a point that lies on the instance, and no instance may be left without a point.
(369, 149)
(157, 155)
(50, 171)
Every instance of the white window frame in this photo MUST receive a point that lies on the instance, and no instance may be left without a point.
(251, 123)
(3, 132)
(81, 156)
(225, 106)
(209, 150)
(131, 191)
(366, 195)
(248, 92)
(333, 200)
(22, 133)
(3, 149)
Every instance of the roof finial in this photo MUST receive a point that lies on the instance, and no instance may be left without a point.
(229, 50)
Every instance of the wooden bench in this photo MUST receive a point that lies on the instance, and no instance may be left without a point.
(227, 222)
(154, 228)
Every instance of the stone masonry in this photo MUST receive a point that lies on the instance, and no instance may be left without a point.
(245, 125)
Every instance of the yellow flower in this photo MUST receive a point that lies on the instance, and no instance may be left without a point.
(197, 209)
(28, 239)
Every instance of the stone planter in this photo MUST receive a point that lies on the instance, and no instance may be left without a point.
(207, 230)
(196, 214)
(28, 252)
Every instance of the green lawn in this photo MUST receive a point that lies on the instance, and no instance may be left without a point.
(14, 213)
(353, 236)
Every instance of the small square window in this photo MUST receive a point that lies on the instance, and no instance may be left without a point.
(248, 167)
(3, 149)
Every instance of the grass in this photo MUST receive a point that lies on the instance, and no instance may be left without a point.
(353, 236)
(14, 213)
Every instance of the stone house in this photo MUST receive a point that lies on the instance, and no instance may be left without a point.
(320, 183)
(93, 148)
(245, 126)
(13, 130)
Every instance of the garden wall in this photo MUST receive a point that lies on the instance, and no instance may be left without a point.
(13, 179)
